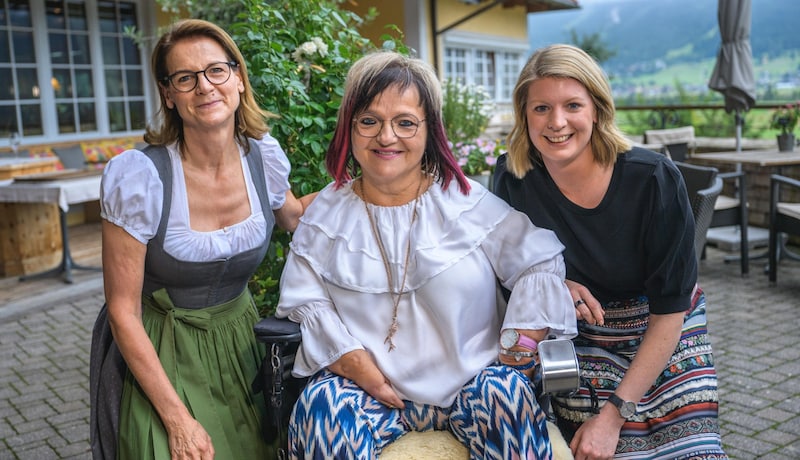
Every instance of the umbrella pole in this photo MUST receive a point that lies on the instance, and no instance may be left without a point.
(739, 121)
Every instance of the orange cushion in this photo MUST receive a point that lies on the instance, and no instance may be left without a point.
(114, 148)
(94, 152)
(41, 151)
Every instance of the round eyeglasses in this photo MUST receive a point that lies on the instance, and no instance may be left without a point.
(403, 126)
(216, 73)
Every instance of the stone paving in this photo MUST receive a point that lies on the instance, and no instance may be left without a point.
(44, 364)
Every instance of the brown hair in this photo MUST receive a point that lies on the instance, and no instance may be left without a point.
(251, 120)
(564, 61)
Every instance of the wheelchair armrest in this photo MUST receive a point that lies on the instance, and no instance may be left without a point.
(277, 330)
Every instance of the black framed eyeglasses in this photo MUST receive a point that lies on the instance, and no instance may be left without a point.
(216, 73)
(403, 126)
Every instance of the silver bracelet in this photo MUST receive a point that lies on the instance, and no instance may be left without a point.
(518, 355)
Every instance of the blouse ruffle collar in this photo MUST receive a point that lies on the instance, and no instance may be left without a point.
(448, 227)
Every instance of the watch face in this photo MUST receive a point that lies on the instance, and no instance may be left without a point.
(509, 338)
(627, 409)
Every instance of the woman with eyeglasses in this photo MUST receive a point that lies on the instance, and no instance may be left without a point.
(393, 276)
(186, 222)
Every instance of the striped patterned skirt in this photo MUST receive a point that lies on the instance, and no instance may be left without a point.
(677, 417)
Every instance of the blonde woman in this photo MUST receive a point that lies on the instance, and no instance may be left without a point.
(625, 219)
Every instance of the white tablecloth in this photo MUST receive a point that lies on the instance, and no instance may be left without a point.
(64, 192)
(14, 161)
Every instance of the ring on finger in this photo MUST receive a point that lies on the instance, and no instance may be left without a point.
(579, 302)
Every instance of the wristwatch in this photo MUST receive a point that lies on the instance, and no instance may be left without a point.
(510, 338)
(627, 409)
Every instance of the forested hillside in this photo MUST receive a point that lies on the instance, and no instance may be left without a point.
(647, 33)
(664, 45)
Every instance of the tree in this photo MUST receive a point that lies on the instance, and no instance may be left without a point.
(593, 45)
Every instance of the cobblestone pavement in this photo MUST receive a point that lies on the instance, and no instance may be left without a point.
(44, 370)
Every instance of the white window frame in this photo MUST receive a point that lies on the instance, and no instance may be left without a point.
(509, 58)
(47, 97)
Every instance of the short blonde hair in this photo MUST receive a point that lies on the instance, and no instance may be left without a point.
(564, 61)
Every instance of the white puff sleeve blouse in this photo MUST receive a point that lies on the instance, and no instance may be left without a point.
(131, 196)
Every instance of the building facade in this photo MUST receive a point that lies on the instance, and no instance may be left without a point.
(69, 71)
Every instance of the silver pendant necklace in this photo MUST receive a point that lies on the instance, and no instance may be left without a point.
(396, 296)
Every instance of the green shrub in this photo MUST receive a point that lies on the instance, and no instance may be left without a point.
(466, 110)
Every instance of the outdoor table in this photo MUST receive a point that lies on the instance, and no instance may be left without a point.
(12, 166)
(763, 158)
(63, 188)
(763, 163)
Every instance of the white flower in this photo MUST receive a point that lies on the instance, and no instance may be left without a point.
(322, 48)
(305, 51)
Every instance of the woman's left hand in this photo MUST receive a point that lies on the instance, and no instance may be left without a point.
(597, 438)
(358, 366)
(587, 307)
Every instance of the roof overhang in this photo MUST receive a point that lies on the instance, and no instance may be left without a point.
(536, 6)
(531, 6)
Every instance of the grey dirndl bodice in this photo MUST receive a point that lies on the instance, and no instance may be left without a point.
(202, 284)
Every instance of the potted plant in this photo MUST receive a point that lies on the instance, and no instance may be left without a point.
(466, 110)
(477, 158)
(785, 119)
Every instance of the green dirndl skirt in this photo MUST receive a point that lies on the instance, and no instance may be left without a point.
(212, 357)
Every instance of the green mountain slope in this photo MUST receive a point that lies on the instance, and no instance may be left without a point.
(660, 42)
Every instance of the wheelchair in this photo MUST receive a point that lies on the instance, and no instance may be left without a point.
(556, 373)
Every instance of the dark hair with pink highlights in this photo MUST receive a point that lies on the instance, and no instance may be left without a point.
(369, 77)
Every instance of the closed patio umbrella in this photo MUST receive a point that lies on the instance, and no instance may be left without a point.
(733, 72)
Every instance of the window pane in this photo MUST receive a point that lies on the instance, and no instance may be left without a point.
(107, 16)
(138, 118)
(59, 53)
(110, 50)
(131, 51)
(31, 120)
(113, 83)
(87, 116)
(116, 116)
(23, 47)
(77, 15)
(62, 83)
(55, 15)
(66, 118)
(7, 85)
(19, 13)
(8, 120)
(134, 79)
(5, 51)
(83, 83)
(127, 14)
(28, 82)
(80, 49)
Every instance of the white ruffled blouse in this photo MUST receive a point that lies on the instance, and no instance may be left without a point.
(450, 314)
(131, 195)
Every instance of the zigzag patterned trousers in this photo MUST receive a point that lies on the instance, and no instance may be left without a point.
(495, 414)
